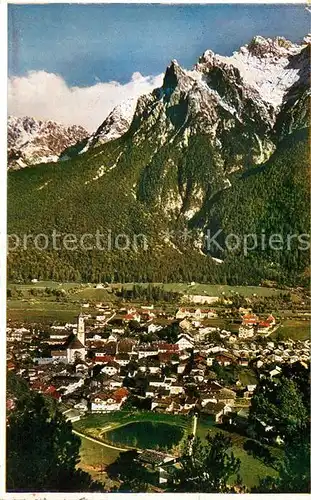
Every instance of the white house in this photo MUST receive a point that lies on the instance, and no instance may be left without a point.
(104, 405)
(107, 402)
(152, 328)
(246, 332)
(216, 410)
(185, 342)
(155, 381)
(176, 388)
(110, 369)
(200, 299)
(145, 351)
(181, 367)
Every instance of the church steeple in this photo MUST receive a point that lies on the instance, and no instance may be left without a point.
(81, 329)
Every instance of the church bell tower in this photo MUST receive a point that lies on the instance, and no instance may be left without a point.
(81, 329)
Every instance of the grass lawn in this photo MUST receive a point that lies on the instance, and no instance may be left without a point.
(185, 288)
(94, 294)
(251, 469)
(39, 310)
(94, 458)
(46, 284)
(293, 329)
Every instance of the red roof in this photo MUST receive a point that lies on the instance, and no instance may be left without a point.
(129, 317)
(168, 347)
(250, 316)
(223, 356)
(270, 318)
(37, 384)
(250, 319)
(165, 357)
(103, 358)
(10, 404)
(51, 389)
(119, 394)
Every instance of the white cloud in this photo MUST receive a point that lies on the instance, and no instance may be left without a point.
(46, 96)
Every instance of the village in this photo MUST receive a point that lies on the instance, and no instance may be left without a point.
(147, 358)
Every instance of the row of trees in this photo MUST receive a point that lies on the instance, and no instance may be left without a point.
(167, 267)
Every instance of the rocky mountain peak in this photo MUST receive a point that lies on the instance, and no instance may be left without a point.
(32, 141)
(271, 48)
(221, 146)
(174, 73)
(270, 67)
(115, 125)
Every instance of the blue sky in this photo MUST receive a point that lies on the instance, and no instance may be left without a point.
(89, 43)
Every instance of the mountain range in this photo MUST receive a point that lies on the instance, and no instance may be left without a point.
(32, 141)
(221, 147)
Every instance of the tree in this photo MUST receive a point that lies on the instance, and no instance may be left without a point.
(279, 404)
(284, 404)
(127, 469)
(170, 333)
(293, 469)
(214, 337)
(42, 451)
(206, 469)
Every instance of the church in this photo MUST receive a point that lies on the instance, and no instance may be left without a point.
(75, 344)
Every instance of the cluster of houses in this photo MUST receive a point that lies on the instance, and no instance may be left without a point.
(87, 371)
(252, 325)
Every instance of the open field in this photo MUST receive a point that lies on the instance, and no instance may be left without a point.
(88, 289)
(34, 305)
(37, 310)
(93, 294)
(46, 284)
(294, 329)
(212, 290)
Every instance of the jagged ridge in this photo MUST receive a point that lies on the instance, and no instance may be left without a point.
(32, 141)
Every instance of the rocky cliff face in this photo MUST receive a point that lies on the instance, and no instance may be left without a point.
(33, 141)
(225, 116)
(249, 89)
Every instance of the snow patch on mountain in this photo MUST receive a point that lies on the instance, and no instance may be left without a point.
(32, 141)
(115, 125)
(266, 64)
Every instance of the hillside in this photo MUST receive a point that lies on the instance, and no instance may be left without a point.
(212, 148)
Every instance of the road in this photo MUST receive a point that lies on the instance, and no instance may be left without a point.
(99, 442)
(195, 425)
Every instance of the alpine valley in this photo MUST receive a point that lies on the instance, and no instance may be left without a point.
(219, 148)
